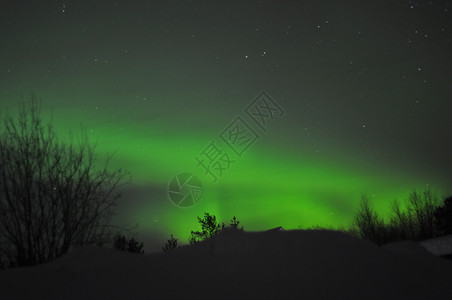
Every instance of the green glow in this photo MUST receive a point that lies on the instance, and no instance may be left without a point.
(263, 189)
(269, 186)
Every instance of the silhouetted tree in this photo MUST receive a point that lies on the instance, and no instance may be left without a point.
(52, 197)
(421, 207)
(120, 242)
(416, 222)
(443, 217)
(235, 224)
(129, 245)
(368, 223)
(170, 244)
(209, 228)
(134, 246)
(403, 224)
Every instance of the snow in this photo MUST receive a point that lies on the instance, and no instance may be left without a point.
(293, 264)
(407, 247)
(439, 246)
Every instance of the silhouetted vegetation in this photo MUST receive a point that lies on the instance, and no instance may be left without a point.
(129, 245)
(423, 217)
(134, 246)
(170, 244)
(369, 225)
(235, 224)
(443, 217)
(210, 227)
(52, 197)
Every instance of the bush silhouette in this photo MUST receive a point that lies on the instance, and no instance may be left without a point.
(120, 242)
(52, 198)
(170, 244)
(235, 224)
(129, 245)
(134, 246)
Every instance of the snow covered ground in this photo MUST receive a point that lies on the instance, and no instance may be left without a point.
(299, 264)
(440, 246)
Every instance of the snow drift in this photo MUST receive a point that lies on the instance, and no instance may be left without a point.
(308, 264)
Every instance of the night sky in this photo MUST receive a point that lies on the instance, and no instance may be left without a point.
(363, 87)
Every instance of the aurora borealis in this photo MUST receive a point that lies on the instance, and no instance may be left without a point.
(365, 89)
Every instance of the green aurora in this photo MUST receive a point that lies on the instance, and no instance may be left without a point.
(367, 103)
(268, 186)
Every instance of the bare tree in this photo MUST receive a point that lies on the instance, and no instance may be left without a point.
(403, 223)
(52, 195)
(367, 222)
(422, 206)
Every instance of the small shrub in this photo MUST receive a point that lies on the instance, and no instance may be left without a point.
(235, 224)
(134, 246)
(129, 245)
(171, 244)
(120, 243)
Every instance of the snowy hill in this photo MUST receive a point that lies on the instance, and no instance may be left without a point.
(266, 265)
